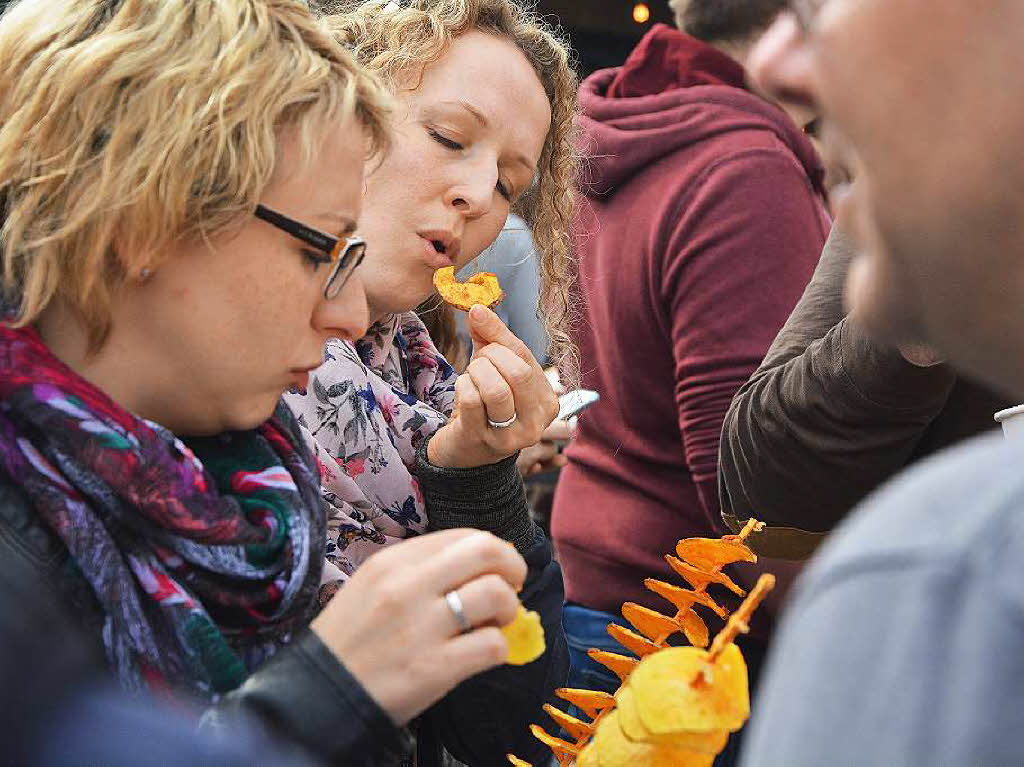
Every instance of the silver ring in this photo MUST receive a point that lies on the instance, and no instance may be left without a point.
(503, 424)
(455, 605)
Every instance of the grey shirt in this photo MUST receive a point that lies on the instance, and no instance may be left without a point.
(903, 644)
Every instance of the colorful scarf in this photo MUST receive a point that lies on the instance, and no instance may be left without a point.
(368, 408)
(202, 558)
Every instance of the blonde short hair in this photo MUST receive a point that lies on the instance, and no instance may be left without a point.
(142, 123)
(393, 39)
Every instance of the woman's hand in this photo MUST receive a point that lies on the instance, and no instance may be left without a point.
(502, 385)
(546, 455)
(395, 632)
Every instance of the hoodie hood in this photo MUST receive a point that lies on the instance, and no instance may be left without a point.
(672, 91)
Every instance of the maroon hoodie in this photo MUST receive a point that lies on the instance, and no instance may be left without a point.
(702, 222)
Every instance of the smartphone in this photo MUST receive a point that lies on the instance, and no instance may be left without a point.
(575, 402)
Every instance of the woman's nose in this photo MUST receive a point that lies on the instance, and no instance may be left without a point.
(347, 315)
(473, 195)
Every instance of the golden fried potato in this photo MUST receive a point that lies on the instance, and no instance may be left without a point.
(590, 702)
(525, 637)
(683, 599)
(632, 641)
(481, 288)
(699, 579)
(695, 628)
(557, 745)
(711, 742)
(588, 757)
(576, 728)
(705, 696)
(713, 553)
(614, 749)
(620, 665)
(515, 761)
(651, 624)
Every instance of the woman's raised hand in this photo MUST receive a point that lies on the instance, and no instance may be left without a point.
(503, 402)
(397, 631)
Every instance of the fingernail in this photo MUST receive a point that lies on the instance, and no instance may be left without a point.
(478, 312)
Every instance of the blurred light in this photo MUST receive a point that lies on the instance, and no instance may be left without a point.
(641, 13)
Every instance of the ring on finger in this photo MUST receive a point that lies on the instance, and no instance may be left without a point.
(503, 424)
(455, 605)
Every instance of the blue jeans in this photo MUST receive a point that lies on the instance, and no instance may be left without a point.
(586, 629)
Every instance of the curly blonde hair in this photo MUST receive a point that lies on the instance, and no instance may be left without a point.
(127, 126)
(393, 39)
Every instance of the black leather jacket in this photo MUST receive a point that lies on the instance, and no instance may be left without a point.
(305, 696)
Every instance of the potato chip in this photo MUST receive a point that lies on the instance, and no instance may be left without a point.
(620, 665)
(614, 749)
(683, 599)
(590, 702)
(705, 696)
(481, 288)
(557, 745)
(636, 644)
(694, 627)
(515, 761)
(525, 637)
(712, 553)
(700, 579)
(648, 622)
(577, 729)
(588, 757)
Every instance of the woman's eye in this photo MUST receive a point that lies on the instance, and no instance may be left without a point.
(315, 257)
(444, 141)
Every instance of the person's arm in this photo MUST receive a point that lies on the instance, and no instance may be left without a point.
(305, 695)
(739, 256)
(488, 715)
(827, 417)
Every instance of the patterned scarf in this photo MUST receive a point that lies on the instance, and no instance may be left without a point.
(202, 558)
(368, 408)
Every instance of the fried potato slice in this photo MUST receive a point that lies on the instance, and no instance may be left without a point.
(557, 745)
(695, 628)
(481, 288)
(525, 637)
(590, 702)
(711, 742)
(683, 599)
(614, 749)
(576, 728)
(713, 553)
(620, 665)
(636, 644)
(515, 761)
(588, 757)
(648, 622)
(705, 696)
(699, 579)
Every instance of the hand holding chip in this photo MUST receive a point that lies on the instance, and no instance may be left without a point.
(503, 384)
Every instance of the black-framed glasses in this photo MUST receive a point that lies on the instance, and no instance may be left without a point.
(345, 254)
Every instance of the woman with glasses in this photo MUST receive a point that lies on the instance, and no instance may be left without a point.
(180, 183)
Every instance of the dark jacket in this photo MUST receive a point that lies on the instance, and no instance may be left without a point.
(305, 696)
(702, 221)
(830, 415)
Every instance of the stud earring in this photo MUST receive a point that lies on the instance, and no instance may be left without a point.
(145, 273)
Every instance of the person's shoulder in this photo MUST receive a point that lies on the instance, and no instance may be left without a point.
(950, 510)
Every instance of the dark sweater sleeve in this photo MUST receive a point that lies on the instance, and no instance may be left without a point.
(739, 257)
(827, 417)
(488, 716)
(490, 498)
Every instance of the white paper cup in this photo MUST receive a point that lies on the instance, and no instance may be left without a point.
(1012, 421)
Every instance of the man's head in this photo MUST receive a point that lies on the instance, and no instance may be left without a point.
(715, 21)
(924, 98)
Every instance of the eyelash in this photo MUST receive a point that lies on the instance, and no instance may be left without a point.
(315, 258)
(455, 146)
